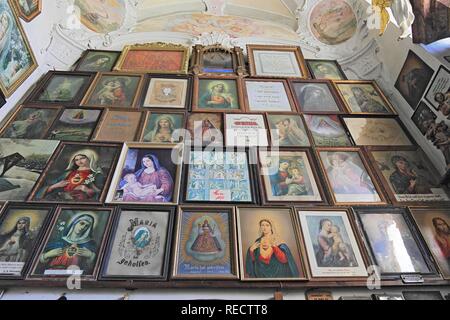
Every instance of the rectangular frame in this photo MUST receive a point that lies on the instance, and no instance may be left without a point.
(149, 113)
(87, 52)
(197, 62)
(260, 134)
(428, 92)
(343, 76)
(288, 115)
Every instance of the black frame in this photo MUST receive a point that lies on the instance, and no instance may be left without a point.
(86, 53)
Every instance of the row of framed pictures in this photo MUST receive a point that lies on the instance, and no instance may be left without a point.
(222, 243)
(210, 93)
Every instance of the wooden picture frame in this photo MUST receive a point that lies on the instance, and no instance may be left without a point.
(298, 68)
(200, 67)
(124, 192)
(144, 136)
(28, 17)
(210, 83)
(210, 133)
(242, 135)
(162, 50)
(313, 65)
(329, 138)
(291, 135)
(84, 65)
(83, 212)
(143, 224)
(213, 213)
(114, 76)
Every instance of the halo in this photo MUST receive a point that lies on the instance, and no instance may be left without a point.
(214, 83)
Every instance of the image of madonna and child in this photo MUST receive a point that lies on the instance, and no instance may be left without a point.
(289, 180)
(151, 183)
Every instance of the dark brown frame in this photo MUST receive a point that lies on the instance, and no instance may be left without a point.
(244, 114)
(147, 116)
(31, 273)
(335, 62)
(237, 56)
(55, 156)
(36, 241)
(234, 260)
(222, 128)
(311, 136)
(87, 52)
(107, 252)
(269, 129)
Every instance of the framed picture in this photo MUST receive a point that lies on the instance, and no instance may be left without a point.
(77, 173)
(245, 130)
(216, 59)
(114, 90)
(21, 163)
(264, 95)
(434, 225)
(377, 131)
(163, 127)
(17, 61)
(28, 9)
(206, 244)
(218, 176)
(316, 96)
(167, 92)
(154, 58)
(393, 242)
(205, 129)
(147, 174)
(288, 176)
(75, 124)
(413, 79)
(326, 69)
(364, 97)
(422, 295)
(30, 123)
(287, 130)
(74, 244)
(276, 61)
(217, 94)
(408, 176)
(348, 177)
(387, 297)
(332, 248)
(61, 88)
(119, 125)
(327, 130)
(269, 245)
(438, 95)
(423, 117)
(97, 61)
(139, 246)
(21, 229)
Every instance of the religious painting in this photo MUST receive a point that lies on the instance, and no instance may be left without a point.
(434, 225)
(326, 70)
(140, 244)
(75, 125)
(114, 90)
(409, 176)
(393, 242)
(97, 61)
(21, 164)
(28, 9)
(217, 59)
(217, 94)
(276, 61)
(21, 229)
(423, 117)
(348, 177)
(268, 96)
(413, 79)
(147, 174)
(61, 88)
(364, 97)
(29, 123)
(119, 125)
(17, 61)
(327, 131)
(269, 245)
(78, 173)
(245, 130)
(218, 62)
(154, 58)
(289, 177)
(287, 130)
(377, 132)
(332, 248)
(315, 96)
(205, 244)
(167, 93)
(162, 127)
(205, 129)
(217, 176)
(74, 244)
(102, 16)
(438, 95)
(333, 22)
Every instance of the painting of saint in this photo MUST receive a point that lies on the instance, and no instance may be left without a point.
(75, 241)
(363, 98)
(163, 128)
(287, 131)
(267, 254)
(98, 61)
(315, 97)
(30, 123)
(325, 69)
(77, 174)
(218, 94)
(20, 228)
(327, 131)
(205, 129)
(63, 88)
